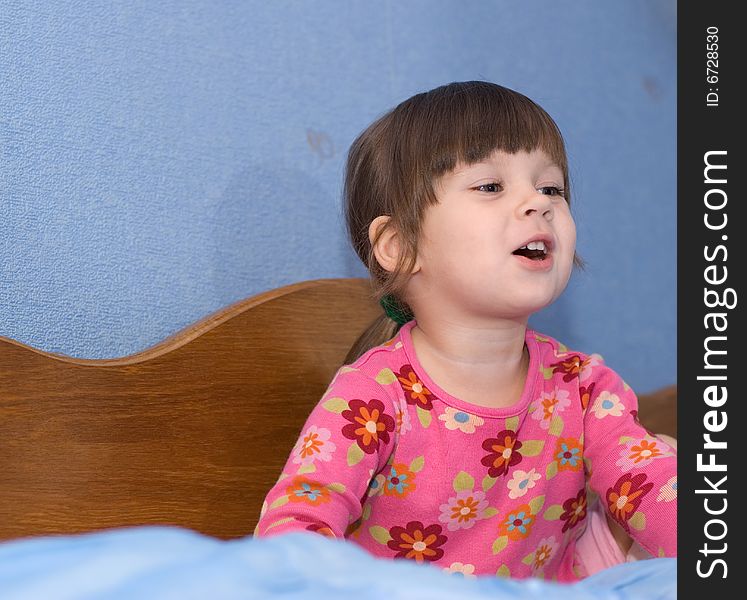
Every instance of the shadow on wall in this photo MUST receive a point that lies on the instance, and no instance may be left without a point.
(264, 202)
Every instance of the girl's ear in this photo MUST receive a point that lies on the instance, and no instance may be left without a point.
(386, 248)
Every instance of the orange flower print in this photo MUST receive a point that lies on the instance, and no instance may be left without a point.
(369, 424)
(569, 454)
(462, 510)
(644, 450)
(548, 405)
(503, 453)
(640, 452)
(415, 392)
(400, 481)
(403, 423)
(307, 491)
(624, 498)
(544, 552)
(518, 523)
(314, 444)
(574, 510)
(417, 542)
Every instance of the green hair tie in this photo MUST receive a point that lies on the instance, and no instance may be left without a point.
(395, 311)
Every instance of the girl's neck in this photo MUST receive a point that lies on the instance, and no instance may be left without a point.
(479, 365)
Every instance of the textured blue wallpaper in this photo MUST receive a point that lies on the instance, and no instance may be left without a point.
(160, 160)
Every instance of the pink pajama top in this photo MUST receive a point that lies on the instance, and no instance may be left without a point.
(398, 466)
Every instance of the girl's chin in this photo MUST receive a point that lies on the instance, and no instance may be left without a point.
(532, 307)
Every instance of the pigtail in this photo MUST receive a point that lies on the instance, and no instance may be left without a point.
(378, 332)
(384, 328)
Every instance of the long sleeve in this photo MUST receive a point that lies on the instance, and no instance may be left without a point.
(346, 440)
(633, 472)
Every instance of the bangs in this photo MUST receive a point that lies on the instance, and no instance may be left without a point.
(467, 122)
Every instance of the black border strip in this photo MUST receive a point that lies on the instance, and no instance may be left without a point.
(709, 265)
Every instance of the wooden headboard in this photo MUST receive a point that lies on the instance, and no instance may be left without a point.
(191, 432)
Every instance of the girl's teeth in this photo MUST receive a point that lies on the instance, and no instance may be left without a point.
(535, 245)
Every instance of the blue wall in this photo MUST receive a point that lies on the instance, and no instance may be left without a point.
(160, 160)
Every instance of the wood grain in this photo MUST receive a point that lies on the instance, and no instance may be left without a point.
(657, 411)
(191, 432)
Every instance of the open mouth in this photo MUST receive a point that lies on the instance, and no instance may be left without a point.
(533, 250)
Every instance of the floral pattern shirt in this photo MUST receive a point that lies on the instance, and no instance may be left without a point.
(395, 464)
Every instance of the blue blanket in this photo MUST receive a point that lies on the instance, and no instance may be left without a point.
(170, 562)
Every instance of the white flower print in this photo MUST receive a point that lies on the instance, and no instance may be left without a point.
(465, 569)
(522, 482)
(668, 491)
(607, 404)
(458, 419)
(376, 485)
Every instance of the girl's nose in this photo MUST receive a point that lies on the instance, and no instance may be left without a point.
(537, 204)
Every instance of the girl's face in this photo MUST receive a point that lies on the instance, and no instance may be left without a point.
(470, 256)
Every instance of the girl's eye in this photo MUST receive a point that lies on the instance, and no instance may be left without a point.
(555, 191)
(490, 188)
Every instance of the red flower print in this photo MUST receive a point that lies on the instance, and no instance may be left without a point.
(415, 392)
(321, 529)
(574, 510)
(417, 542)
(369, 424)
(624, 498)
(570, 367)
(503, 453)
(585, 393)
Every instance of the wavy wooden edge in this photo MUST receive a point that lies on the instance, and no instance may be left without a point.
(195, 330)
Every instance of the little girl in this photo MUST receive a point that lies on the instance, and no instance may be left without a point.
(455, 435)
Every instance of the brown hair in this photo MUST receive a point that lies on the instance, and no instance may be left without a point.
(394, 164)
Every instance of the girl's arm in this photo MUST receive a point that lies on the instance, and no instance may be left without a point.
(346, 440)
(633, 471)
